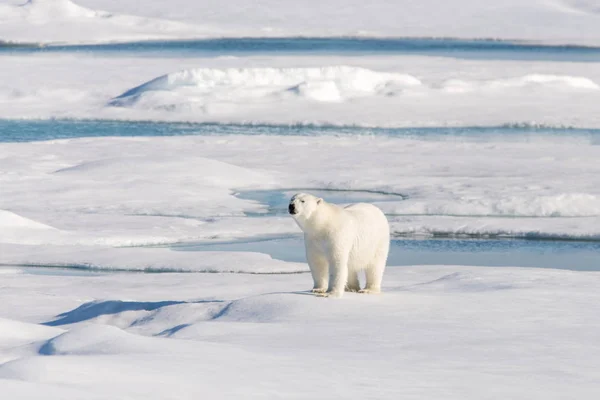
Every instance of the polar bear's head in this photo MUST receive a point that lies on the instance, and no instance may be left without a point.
(303, 205)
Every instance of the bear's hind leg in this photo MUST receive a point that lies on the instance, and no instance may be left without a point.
(374, 274)
(353, 284)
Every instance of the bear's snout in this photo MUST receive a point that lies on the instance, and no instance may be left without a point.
(292, 208)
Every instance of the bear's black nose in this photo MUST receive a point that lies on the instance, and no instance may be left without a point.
(292, 208)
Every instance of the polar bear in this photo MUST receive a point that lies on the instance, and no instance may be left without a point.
(341, 241)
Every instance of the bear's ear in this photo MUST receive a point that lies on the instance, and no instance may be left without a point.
(319, 201)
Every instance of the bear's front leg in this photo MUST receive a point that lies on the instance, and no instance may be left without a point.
(338, 275)
(319, 269)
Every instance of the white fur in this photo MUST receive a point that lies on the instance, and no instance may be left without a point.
(341, 241)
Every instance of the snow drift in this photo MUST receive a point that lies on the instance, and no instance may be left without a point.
(330, 94)
(531, 206)
(530, 81)
(17, 229)
(203, 86)
(10, 220)
(361, 91)
(62, 21)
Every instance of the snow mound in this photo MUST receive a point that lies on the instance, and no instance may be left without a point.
(96, 339)
(526, 81)
(38, 11)
(130, 259)
(462, 282)
(17, 332)
(582, 6)
(205, 86)
(200, 168)
(17, 229)
(158, 318)
(271, 308)
(249, 94)
(560, 205)
(10, 220)
(62, 21)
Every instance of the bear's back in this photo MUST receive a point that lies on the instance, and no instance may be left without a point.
(364, 210)
(371, 220)
(372, 234)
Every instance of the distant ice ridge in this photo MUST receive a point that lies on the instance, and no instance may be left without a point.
(233, 91)
(62, 21)
(15, 228)
(531, 81)
(581, 6)
(10, 220)
(41, 11)
(534, 206)
(203, 85)
(547, 21)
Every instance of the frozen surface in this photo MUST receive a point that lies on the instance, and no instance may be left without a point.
(451, 332)
(550, 21)
(106, 192)
(95, 305)
(329, 84)
(373, 91)
(63, 21)
(135, 259)
(350, 95)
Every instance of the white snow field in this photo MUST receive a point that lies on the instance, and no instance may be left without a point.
(63, 21)
(228, 325)
(436, 332)
(94, 21)
(392, 91)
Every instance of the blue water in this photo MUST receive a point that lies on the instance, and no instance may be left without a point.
(32, 130)
(58, 271)
(571, 255)
(470, 49)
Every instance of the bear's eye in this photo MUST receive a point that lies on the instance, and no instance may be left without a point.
(301, 201)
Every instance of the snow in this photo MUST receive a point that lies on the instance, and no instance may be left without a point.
(452, 332)
(9, 220)
(136, 259)
(529, 81)
(325, 84)
(63, 21)
(372, 91)
(220, 94)
(93, 21)
(560, 205)
(15, 333)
